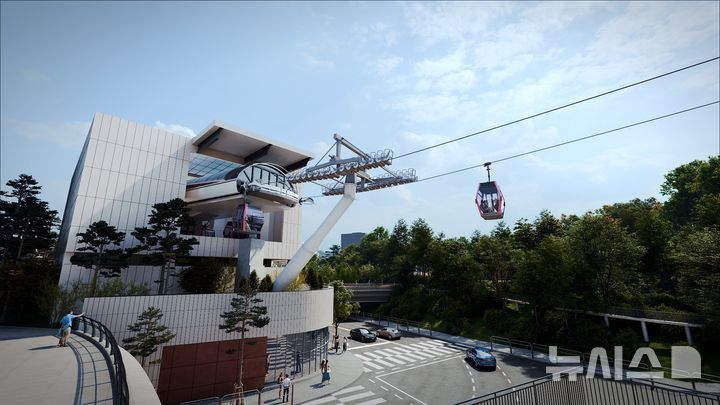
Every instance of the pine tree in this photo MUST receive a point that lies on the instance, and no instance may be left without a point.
(160, 240)
(97, 254)
(246, 312)
(25, 223)
(149, 334)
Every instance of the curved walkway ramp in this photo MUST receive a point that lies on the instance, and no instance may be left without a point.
(35, 371)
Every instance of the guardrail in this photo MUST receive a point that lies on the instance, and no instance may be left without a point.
(102, 334)
(661, 315)
(402, 324)
(249, 397)
(594, 391)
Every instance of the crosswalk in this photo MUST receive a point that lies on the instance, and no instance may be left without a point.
(397, 356)
(356, 395)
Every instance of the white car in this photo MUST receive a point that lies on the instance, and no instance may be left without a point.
(388, 333)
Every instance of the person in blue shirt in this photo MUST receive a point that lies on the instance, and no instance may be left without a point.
(65, 326)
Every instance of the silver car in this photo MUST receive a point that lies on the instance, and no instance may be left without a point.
(388, 333)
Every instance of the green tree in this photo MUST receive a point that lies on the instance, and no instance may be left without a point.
(246, 312)
(342, 306)
(161, 241)
(26, 222)
(545, 278)
(149, 334)
(693, 190)
(697, 255)
(266, 284)
(421, 237)
(208, 276)
(97, 252)
(607, 254)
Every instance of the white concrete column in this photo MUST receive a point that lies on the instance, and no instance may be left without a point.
(688, 335)
(644, 331)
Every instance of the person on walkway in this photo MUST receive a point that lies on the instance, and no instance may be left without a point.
(280, 380)
(345, 344)
(322, 371)
(337, 343)
(66, 326)
(286, 387)
(325, 375)
(327, 372)
(298, 362)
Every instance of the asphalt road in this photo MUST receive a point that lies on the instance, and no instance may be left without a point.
(423, 371)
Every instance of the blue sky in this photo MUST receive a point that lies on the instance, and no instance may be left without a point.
(384, 75)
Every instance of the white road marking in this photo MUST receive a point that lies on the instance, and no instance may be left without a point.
(368, 347)
(371, 380)
(398, 396)
(372, 402)
(384, 363)
(412, 368)
(509, 382)
(366, 370)
(363, 358)
(349, 390)
(503, 373)
(375, 366)
(373, 354)
(472, 380)
(395, 360)
(392, 352)
(354, 397)
(413, 356)
(321, 400)
(423, 403)
(473, 388)
(384, 388)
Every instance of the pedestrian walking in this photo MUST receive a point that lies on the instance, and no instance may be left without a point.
(337, 343)
(298, 362)
(286, 387)
(322, 371)
(325, 374)
(345, 344)
(280, 380)
(66, 326)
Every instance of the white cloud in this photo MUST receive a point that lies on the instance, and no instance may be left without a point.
(384, 66)
(423, 108)
(375, 32)
(175, 128)
(453, 21)
(67, 134)
(319, 63)
(440, 67)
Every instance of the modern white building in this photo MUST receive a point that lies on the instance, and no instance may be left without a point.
(233, 180)
(244, 209)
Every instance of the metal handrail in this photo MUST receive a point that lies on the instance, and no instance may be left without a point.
(529, 390)
(104, 336)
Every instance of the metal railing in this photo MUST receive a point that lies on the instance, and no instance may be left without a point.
(102, 334)
(686, 317)
(401, 324)
(594, 391)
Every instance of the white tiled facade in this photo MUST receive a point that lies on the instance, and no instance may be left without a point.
(196, 318)
(124, 169)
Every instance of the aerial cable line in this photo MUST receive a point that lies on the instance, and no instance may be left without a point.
(572, 140)
(558, 108)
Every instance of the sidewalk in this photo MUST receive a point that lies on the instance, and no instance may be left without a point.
(36, 371)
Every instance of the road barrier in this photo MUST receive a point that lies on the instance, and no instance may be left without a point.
(102, 335)
(594, 391)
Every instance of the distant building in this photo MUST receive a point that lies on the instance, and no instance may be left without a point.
(348, 239)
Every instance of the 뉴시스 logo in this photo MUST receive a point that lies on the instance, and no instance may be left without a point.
(686, 363)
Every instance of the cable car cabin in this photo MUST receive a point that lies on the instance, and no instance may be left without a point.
(247, 223)
(489, 200)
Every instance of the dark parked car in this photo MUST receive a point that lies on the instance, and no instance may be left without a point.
(362, 335)
(481, 357)
(388, 333)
